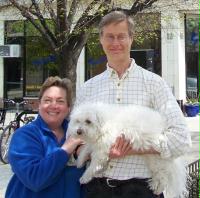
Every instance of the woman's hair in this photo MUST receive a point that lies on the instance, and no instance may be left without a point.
(64, 83)
(117, 17)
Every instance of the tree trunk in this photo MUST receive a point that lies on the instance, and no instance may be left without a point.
(67, 64)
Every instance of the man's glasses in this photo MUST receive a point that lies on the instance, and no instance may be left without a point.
(120, 38)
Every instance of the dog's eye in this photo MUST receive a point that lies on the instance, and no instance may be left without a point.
(87, 121)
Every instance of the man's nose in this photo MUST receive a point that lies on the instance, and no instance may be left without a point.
(116, 41)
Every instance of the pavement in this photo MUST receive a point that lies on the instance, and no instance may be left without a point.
(193, 155)
(5, 174)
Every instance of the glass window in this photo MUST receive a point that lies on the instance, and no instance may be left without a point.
(95, 57)
(36, 64)
(40, 63)
(146, 49)
(192, 55)
(14, 67)
(14, 28)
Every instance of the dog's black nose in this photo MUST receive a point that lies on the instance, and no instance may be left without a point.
(79, 131)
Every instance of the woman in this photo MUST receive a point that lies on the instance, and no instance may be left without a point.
(39, 153)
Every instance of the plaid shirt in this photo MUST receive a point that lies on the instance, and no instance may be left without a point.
(141, 87)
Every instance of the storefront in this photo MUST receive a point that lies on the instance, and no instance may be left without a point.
(22, 76)
(35, 63)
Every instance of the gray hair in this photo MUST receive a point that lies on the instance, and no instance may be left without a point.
(117, 17)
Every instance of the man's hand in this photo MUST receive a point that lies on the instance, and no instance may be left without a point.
(120, 148)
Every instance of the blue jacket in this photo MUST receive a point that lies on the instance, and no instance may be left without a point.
(39, 165)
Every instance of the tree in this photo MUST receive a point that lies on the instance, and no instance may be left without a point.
(73, 21)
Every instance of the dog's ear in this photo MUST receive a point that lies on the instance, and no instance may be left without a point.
(99, 118)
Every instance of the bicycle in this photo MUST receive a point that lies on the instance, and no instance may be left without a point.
(9, 130)
(2, 114)
(2, 118)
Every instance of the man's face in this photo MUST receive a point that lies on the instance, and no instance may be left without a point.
(116, 41)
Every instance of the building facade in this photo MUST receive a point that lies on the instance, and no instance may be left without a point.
(167, 44)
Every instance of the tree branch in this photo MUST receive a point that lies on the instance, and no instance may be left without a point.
(72, 11)
(86, 20)
(62, 30)
(26, 13)
(48, 5)
(138, 6)
(42, 20)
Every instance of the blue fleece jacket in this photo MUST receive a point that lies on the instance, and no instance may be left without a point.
(39, 165)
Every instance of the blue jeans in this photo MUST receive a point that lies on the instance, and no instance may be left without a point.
(134, 188)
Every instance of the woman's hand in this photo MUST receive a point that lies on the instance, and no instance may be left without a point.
(70, 144)
(120, 148)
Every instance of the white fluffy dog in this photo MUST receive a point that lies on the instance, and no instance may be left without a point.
(100, 124)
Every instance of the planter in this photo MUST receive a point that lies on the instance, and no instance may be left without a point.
(191, 109)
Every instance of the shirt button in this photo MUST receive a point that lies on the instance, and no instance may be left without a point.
(118, 84)
(118, 99)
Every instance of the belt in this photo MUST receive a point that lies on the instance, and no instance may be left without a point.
(115, 183)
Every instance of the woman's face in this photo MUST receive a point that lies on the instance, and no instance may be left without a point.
(53, 106)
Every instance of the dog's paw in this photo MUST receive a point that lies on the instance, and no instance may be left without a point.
(156, 186)
(98, 169)
(84, 179)
(79, 164)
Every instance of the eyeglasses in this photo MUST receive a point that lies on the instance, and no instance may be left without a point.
(110, 38)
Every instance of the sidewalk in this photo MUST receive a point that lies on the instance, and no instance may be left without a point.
(193, 124)
(5, 174)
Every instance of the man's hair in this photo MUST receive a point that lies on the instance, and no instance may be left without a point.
(117, 17)
(64, 83)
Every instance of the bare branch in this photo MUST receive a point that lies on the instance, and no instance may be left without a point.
(4, 5)
(72, 12)
(25, 13)
(139, 6)
(42, 20)
(48, 5)
(62, 20)
(87, 20)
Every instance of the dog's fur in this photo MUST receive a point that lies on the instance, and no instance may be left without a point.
(100, 124)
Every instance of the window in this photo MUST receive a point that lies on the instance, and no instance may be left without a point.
(146, 49)
(40, 60)
(192, 54)
(14, 67)
(37, 63)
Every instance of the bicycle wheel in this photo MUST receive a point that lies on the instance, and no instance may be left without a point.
(5, 142)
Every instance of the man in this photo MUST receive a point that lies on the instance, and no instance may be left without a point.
(123, 83)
